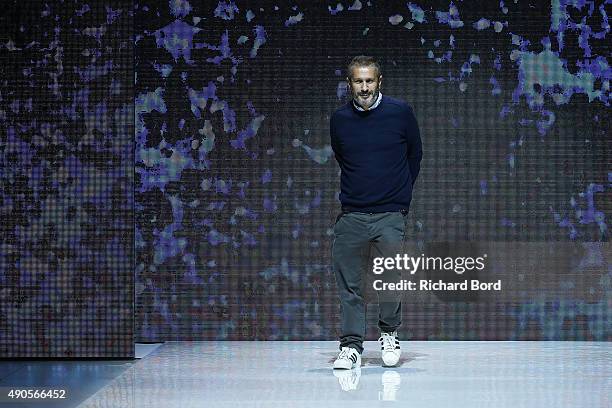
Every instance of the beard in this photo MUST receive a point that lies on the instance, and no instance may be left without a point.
(366, 100)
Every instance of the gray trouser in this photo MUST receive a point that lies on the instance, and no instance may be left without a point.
(359, 237)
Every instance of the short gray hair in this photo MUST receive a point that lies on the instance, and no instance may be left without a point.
(362, 61)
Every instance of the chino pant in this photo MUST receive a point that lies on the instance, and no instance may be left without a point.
(358, 238)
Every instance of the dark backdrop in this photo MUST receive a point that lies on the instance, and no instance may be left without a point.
(236, 186)
(223, 140)
(66, 179)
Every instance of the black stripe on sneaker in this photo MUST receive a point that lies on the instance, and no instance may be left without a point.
(353, 358)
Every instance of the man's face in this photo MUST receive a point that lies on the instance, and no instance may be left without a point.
(365, 85)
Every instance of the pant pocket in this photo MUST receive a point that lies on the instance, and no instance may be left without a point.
(338, 218)
(404, 214)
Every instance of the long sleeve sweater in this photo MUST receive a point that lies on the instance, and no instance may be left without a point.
(379, 152)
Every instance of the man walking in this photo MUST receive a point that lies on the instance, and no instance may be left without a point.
(377, 144)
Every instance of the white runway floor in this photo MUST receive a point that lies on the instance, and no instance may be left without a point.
(431, 374)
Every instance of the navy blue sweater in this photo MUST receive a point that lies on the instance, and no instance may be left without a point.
(379, 152)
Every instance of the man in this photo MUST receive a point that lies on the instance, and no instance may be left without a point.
(377, 144)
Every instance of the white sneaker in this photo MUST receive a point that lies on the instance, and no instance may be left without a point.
(347, 359)
(390, 348)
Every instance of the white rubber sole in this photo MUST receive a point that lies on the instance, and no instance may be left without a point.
(390, 359)
(346, 365)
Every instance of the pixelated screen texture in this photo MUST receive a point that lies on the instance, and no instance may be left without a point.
(66, 146)
(237, 186)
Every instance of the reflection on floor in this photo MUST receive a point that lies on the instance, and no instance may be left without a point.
(430, 374)
(141, 350)
(299, 374)
(79, 380)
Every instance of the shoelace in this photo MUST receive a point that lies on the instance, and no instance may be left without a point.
(387, 342)
(344, 353)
